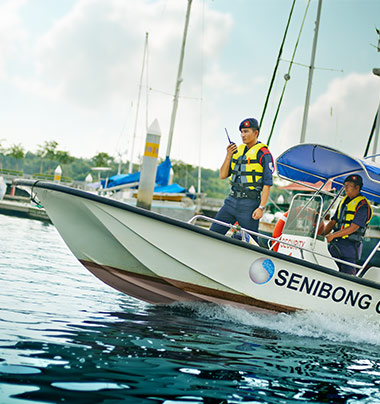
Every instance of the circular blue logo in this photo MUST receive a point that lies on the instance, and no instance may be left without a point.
(261, 271)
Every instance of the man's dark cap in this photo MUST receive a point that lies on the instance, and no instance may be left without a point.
(249, 123)
(356, 179)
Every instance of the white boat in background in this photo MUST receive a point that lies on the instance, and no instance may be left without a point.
(162, 260)
(3, 187)
(176, 205)
(168, 199)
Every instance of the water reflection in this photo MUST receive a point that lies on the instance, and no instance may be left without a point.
(161, 354)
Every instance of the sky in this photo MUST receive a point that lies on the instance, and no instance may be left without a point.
(70, 72)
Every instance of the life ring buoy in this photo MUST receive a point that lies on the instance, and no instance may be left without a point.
(277, 231)
(321, 228)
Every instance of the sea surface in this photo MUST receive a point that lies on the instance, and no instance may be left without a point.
(67, 337)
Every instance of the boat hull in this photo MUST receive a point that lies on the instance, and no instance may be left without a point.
(161, 260)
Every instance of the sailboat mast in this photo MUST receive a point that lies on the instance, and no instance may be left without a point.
(138, 103)
(311, 71)
(179, 80)
(376, 72)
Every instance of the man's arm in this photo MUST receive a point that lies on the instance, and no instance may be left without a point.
(329, 226)
(266, 160)
(258, 213)
(341, 233)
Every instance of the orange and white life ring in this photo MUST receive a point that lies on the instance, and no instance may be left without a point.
(277, 231)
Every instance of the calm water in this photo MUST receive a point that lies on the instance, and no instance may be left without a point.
(67, 337)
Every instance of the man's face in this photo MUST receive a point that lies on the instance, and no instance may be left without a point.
(351, 189)
(249, 135)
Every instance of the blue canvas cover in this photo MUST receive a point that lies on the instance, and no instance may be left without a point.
(313, 163)
(163, 172)
(162, 179)
(173, 188)
(121, 179)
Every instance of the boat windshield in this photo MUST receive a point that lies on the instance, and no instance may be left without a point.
(304, 215)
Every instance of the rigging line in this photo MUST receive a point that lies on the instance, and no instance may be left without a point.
(315, 68)
(201, 101)
(147, 89)
(171, 95)
(288, 74)
(370, 137)
(117, 147)
(277, 64)
(138, 103)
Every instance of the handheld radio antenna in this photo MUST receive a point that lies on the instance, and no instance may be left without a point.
(228, 137)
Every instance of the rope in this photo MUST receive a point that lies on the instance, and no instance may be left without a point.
(277, 63)
(34, 196)
(287, 76)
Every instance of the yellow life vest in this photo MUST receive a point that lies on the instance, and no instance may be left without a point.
(346, 216)
(247, 167)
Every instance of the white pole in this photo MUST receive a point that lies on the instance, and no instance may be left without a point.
(311, 70)
(138, 104)
(57, 174)
(201, 107)
(149, 166)
(376, 140)
(179, 80)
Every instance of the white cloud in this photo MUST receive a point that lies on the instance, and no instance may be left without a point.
(342, 117)
(218, 79)
(88, 65)
(11, 32)
(93, 55)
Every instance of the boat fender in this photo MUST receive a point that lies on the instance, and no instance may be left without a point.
(277, 231)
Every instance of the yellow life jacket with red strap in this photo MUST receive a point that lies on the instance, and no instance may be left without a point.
(246, 170)
(346, 214)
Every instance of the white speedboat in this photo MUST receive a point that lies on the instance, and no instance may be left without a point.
(161, 260)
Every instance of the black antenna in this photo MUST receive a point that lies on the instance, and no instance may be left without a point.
(228, 135)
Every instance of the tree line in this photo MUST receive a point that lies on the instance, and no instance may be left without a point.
(48, 156)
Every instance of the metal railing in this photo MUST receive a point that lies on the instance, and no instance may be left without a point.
(243, 230)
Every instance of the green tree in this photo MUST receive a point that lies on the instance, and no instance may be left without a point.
(2, 148)
(63, 157)
(2, 153)
(78, 168)
(102, 159)
(47, 151)
(16, 151)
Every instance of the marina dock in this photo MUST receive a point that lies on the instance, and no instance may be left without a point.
(22, 207)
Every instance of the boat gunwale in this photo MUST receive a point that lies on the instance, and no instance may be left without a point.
(175, 222)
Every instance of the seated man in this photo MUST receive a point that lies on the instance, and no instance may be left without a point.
(349, 223)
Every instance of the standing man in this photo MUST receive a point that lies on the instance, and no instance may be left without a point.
(250, 168)
(349, 224)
